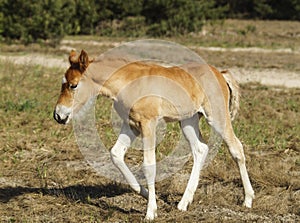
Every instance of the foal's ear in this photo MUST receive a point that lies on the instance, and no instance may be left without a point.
(72, 57)
(83, 60)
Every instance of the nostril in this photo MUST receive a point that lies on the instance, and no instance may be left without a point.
(56, 116)
(64, 121)
(59, 119)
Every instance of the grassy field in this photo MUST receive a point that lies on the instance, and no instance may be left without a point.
(44, 178)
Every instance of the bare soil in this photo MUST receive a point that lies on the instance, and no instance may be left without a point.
(44, 178)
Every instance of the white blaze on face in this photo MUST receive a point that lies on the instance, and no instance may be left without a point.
(64, 80)
(62, 113)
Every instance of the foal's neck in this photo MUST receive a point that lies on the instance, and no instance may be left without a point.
(101, 70)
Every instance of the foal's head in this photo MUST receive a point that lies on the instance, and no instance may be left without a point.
(73, 82)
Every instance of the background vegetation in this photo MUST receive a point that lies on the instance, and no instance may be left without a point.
(50, 20)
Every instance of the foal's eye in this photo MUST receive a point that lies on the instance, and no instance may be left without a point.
(73, 86)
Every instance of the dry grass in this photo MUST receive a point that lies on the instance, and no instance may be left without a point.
(43, 176)
(249, 33)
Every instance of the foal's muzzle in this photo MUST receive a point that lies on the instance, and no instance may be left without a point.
(62, 114)
(59, 119)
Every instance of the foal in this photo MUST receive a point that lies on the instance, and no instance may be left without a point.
(143, 93)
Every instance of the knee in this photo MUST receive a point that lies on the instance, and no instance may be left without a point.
(149, 172)
(236, 150)
(239, 157)
(200, 150)
(117, 153)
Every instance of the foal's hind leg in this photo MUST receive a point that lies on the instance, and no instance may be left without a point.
(190, 128)
(237, 152)
(149, 165)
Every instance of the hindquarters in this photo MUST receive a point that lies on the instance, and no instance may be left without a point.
(229, 90)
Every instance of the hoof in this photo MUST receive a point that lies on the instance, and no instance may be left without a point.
(182, 206)
(184, 203)
(151, 216)
(248, 200)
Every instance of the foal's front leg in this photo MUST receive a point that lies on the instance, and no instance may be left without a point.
(149, 166)
(117, 153)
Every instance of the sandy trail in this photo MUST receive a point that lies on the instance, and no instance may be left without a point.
(268, 77)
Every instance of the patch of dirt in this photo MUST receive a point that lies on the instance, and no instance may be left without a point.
(219, 196)
(267, 77)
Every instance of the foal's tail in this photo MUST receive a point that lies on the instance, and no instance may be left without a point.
(234, 101)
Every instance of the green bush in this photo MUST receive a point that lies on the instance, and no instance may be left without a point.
(173, 17)
(50, 20)
(32, 21)
(262, 9)
(85, 17)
